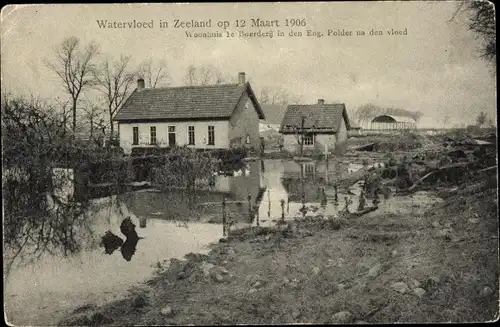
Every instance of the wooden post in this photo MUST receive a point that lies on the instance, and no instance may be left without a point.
(269, 204)
(336, 197)
(224, 221)
(323, 200)
(142, 222)
(249, 198)
(287, 204)
(282, 209)
(376, 199)
(302, 136)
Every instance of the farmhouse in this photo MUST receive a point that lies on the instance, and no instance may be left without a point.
(201, 117)
(323, 126)
(392, 123)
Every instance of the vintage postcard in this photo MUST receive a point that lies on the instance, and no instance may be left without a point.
(249, 163)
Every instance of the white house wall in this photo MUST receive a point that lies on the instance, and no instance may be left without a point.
(342, 132)
(181, 130)
(243, 122)
(330, 141)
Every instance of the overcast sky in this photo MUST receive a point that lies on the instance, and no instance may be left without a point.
(434, 69)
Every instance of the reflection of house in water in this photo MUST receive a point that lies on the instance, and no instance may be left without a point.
(297, 184)
(311, 176)
(203, 204)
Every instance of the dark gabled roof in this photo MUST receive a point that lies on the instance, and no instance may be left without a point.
(318, 118)
(185, 102)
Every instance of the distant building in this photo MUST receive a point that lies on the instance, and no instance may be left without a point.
(201, 117)
(392, 123)
(325, 126)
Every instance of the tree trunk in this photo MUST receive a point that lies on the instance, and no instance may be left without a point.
(74, 115)
(91, 128)
(111, 127)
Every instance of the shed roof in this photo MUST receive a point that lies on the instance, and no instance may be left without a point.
(393, 119)
(324, 118)
(186, 102)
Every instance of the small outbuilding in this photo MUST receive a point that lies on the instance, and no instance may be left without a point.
(322, 126)
(392, 123)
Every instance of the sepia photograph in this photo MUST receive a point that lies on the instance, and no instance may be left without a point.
(249, 163)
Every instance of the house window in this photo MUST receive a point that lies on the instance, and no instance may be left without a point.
(152, 134)
(191, 135)
(211, 135)
(308, 168)
(309, 139)
(171, 136)
(135, 135)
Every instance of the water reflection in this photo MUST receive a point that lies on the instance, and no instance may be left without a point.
(241, 190)
(40, 293)
(112, 242)
(262, 192)
(306, 189)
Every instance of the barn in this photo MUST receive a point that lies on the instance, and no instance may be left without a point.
(392, 123)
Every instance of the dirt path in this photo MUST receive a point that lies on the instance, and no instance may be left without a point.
(407, 262)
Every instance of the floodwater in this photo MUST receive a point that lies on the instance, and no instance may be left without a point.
(40, 294)
(43, 292)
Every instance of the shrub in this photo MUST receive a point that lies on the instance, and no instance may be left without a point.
(36, 217)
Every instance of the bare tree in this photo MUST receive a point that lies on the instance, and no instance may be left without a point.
(277, 95)
(482, 22)
(34, 144)
(115, 82)
(481, 16)
(155, 74)
(65, 111)
(75, 68)
(204, 75)
(481, 118)
(366, 112)
(92, 115)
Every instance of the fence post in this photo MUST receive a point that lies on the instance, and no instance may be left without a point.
(142, 222)
(287, 204)
(323, 194)
(224, 222)
(376, 199)
(336, 197)
(282, 209)
(249, 198)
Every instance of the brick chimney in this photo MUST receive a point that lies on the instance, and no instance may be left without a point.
(241, 78)
(321, 101)
(140, 83)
